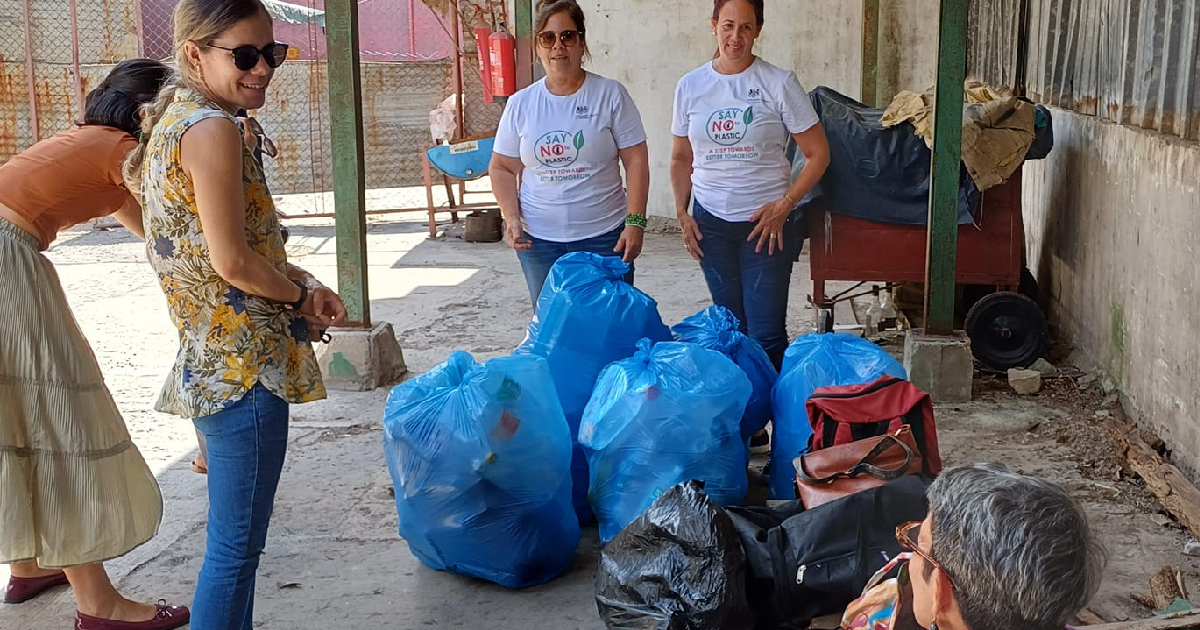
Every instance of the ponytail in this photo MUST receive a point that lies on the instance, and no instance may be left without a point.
(151, 113)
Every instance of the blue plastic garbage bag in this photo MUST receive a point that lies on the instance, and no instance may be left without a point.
(587, 317)
(716, 328)
(812, 361)
(670, 414)
(480, 458)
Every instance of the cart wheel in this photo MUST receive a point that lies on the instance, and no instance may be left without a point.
(1007, 330)
(824, 320)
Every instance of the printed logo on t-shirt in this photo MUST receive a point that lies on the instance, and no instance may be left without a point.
(558, 149)
(754, 96)
(727, 127)
(582, 111)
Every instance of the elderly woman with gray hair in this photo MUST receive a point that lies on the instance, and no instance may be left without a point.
(997, 551)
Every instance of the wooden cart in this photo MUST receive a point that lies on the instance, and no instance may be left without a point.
(1007, 329)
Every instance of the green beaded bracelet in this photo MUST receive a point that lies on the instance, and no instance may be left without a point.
(637, 220)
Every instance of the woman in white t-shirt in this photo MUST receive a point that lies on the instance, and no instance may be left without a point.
(565, 139)
(732, 120)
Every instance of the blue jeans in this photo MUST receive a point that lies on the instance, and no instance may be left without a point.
(752, 285)
(246, 446)
(537, 260)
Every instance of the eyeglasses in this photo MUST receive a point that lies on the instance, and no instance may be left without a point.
(246, 57)
(907, 535)
(546, 39)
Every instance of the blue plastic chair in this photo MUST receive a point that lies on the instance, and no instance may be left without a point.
(463, 161)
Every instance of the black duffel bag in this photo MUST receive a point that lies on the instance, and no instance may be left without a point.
(805, 564)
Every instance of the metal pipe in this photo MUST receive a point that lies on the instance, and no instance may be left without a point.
(459, 113)
(869, 90)
(74, 6)
(141, 28)
(412, 29)
(34, 122)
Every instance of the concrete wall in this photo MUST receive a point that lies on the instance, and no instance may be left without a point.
(649, 44)
(1112, 220)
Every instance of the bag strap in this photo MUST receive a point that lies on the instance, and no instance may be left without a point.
(864, 465)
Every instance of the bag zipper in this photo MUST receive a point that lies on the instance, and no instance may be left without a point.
(870, 390)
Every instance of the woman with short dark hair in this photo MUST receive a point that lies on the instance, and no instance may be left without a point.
(74, 490)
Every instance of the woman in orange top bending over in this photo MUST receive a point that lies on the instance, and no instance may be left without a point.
(74, 490)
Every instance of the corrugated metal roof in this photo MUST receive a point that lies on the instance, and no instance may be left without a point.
(1135, 62)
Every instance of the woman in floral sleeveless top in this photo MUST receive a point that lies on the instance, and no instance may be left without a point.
(244, 314)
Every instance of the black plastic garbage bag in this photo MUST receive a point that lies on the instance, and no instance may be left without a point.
(680, 566)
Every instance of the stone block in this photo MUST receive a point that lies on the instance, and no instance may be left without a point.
(1025, 382)
(360, 359)
(941, 365)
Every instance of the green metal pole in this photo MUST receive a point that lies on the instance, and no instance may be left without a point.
(349, 171)
(942, 250)
(870, 54)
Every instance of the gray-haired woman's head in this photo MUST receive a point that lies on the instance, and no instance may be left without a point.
(1018, 550)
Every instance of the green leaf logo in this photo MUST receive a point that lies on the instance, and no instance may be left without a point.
(579, 139)
(748, 117)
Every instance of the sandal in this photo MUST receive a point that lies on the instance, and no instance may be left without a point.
(199, 468)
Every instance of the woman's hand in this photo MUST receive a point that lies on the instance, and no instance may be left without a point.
(630, 245)
(323, 308)
(768, 225)
(691, 235)
(514, 234)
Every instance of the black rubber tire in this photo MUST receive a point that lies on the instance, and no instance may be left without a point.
(1007, 330)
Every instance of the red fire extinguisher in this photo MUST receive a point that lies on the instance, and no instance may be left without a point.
(483, 46)
(503, 49)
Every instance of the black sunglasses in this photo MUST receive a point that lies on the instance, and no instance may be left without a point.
(246, 57)
(569, 38)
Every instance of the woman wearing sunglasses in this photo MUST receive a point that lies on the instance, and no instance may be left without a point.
(565, 139)
(74, 490)
(241, 309)
(998, 551)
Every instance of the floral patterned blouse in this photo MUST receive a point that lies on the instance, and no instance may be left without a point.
(229, 340)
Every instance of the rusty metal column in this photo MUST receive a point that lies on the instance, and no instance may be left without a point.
(76, 75)
(35, 127)
(942, 249)
(349, 168)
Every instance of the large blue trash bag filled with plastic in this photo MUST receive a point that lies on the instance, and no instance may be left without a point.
(716, 328)
(669, 414)
(812, 361)
(480, 460)
(587, 317)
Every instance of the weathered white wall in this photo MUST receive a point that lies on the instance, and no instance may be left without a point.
(1113, 217)
(649, 44)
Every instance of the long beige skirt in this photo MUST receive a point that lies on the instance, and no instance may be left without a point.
(73, 488)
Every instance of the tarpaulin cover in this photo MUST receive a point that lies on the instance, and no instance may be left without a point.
(876, 174)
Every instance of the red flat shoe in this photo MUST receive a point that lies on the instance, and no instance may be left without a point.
(166, 618)
(24, 589)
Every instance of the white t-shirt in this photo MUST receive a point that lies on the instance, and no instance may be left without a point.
(571, 187)
(738, 126)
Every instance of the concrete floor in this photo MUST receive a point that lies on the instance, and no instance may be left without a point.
(334, 559)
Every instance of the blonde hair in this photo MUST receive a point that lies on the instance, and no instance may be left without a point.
(199, 21)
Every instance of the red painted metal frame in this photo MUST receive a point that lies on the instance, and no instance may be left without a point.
(989, 253)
